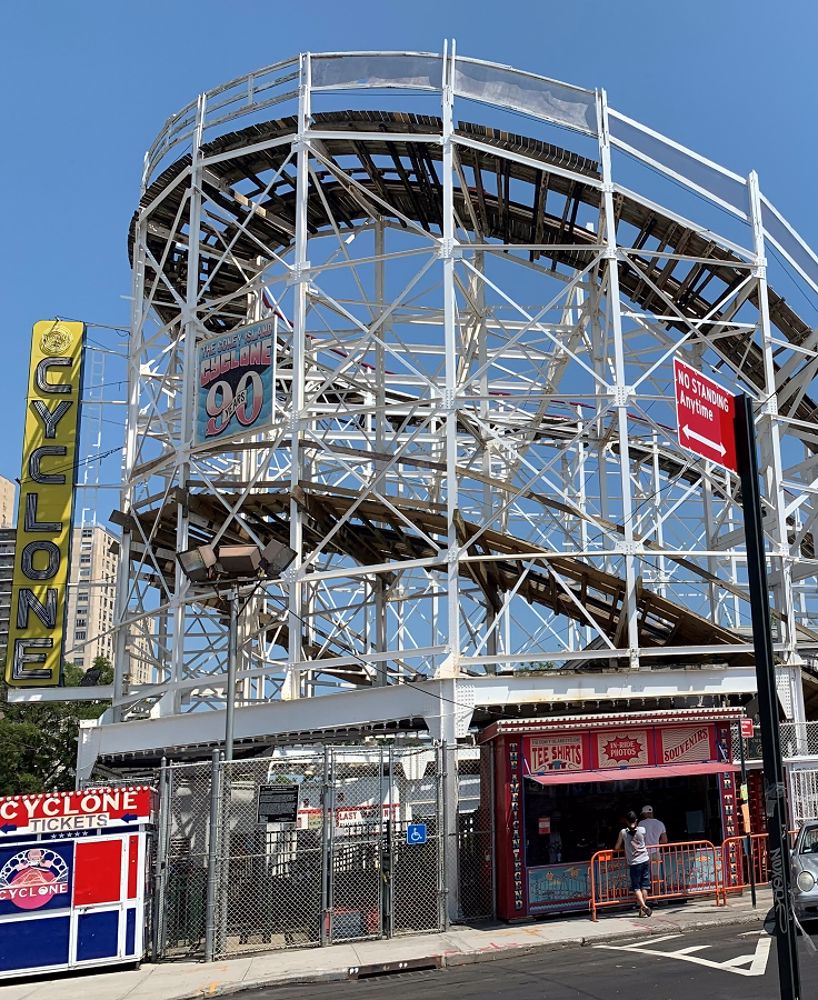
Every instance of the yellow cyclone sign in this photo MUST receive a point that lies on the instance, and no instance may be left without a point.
(41, 557)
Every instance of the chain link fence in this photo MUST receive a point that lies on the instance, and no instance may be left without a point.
(182, 861)
(366, 852)
(475, 834)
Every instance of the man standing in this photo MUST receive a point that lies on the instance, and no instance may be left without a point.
(632, 840)
(655, 832)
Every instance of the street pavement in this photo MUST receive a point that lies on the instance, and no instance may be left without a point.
(571, 953)
(725, 963)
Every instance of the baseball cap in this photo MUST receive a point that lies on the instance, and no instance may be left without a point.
(647, 810)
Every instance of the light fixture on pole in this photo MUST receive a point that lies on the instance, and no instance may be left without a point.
(234, 565)
(197, 564)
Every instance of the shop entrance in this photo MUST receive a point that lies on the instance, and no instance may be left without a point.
(567, 823)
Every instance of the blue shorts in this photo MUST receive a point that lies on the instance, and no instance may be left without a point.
(640, 875)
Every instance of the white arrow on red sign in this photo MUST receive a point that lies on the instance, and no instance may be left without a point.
(716, 446)
(705, 414)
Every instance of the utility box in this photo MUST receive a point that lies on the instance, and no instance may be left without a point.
(72, 879)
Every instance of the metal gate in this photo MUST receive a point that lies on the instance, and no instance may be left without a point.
(345, 871)
(803, 794)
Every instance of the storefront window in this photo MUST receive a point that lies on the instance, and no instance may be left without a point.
(571, 822)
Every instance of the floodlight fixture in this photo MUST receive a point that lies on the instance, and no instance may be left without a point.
(123, 520)
(198, 563)
(275, 558)
(240, 560)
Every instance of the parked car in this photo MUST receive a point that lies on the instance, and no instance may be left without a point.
(804, 860)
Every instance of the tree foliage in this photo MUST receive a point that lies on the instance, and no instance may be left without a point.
(39, 740)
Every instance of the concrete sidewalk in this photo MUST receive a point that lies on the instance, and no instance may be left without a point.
(458, 946)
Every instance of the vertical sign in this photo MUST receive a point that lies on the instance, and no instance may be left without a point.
(234, 385)
(705, 414)
(37, 615)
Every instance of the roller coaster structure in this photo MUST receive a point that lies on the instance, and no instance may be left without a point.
(472, 447)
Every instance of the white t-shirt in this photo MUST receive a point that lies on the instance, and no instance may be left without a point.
(636, 850)
(654, 828)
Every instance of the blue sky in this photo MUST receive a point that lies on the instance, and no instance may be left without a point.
(87, 84)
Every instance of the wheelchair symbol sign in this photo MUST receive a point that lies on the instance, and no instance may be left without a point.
(416, 833)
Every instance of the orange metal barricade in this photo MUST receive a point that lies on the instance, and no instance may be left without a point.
(744, 862)
(678, 871)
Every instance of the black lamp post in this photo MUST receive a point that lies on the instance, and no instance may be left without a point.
(236, 565)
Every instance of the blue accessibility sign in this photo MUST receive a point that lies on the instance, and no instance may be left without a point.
(416, 833)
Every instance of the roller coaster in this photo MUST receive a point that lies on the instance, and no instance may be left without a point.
(472, 446)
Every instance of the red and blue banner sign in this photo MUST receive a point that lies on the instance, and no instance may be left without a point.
(234, 383)
(72, 878)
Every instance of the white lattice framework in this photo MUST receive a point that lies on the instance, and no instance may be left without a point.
(473, 450)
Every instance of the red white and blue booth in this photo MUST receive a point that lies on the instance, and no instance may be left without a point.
(72, 878)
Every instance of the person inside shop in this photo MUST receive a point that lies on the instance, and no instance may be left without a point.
(655, 831)
(555, 843)
(633, 840)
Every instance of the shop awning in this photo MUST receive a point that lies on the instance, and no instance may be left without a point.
(631, 773)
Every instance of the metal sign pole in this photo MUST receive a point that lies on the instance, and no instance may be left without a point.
(785, 931)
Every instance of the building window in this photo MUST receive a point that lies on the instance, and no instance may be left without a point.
(87, 532)
(79, 634)
(85, 560)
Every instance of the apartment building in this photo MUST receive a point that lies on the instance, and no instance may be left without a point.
(8, 492)
(91, 594)
(7, 540)
(91, 601)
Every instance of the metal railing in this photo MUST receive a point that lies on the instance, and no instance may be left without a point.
(744, 862)
(678, 871)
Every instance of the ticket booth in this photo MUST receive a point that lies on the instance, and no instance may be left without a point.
(563, 787)
(72, 879)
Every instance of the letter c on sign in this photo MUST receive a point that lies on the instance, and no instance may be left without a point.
(41, 372)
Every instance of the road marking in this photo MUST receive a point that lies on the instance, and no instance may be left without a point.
(758, 959)
(759, 966)
(741, 960)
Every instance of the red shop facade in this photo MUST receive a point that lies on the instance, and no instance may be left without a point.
(563, 786)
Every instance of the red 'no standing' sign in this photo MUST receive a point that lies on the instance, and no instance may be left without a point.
(705, 414)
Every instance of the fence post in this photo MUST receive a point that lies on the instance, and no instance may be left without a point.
(324, 936)
(384, 798)
(444, 833)
(213, 857)
(161, 864)
(389, 874)
(488, 748)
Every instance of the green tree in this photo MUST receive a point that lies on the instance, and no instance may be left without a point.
(39, 740)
